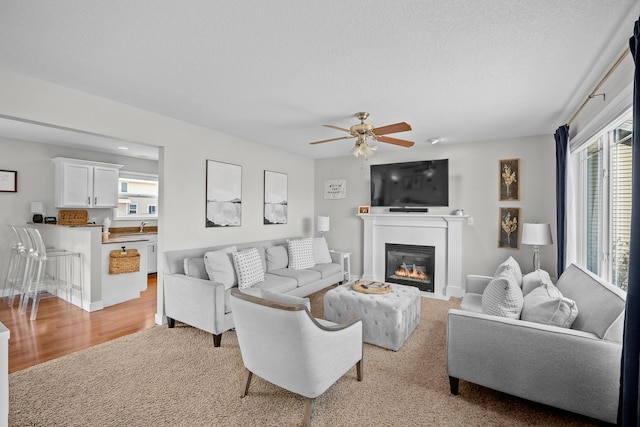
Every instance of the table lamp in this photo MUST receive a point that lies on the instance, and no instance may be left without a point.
(536, 235)
(322, 224)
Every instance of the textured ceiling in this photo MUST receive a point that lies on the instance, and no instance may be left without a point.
(275, 72)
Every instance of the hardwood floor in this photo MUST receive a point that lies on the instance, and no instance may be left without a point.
(62, 328)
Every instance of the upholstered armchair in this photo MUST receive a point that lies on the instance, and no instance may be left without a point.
(282, 343)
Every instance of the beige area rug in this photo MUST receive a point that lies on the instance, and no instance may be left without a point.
(175, 377)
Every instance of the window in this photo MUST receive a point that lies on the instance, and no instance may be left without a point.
(137, 196)
(605, 202)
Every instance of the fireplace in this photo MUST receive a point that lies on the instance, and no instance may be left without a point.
(411, 265)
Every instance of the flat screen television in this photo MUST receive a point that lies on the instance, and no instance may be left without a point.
(418, 183)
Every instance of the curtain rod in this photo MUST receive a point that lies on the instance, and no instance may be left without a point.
(600, 83)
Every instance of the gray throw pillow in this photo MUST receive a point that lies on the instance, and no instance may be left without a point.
(219, 265)
(277, 257)
(321, 253)
(534, 279)
(545, 304)
(194, 267)
(502, 297)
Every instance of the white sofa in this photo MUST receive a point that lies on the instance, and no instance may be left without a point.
(576, 369)
(192, 298)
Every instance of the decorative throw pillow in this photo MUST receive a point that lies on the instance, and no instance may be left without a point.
(545, 304)
(534, 279)
(248, 267)
(194, 267)
(301, 254)
(503, 297)
(510, 266)
(219, 266)
(321, 253)
(277, 257)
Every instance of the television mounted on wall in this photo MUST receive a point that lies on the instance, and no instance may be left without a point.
(410, 184)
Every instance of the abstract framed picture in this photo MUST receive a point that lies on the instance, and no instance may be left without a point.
(275, 198)
(509, 176)
(8, 181)
(224, 194)
(508, 228)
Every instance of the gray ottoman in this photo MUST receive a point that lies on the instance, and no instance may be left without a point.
(387, 319)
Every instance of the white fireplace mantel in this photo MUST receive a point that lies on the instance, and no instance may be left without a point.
(444, 232)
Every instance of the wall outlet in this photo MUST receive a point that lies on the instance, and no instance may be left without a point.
(470, 220)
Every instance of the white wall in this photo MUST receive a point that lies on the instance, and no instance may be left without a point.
(184, 149)
(473, 186)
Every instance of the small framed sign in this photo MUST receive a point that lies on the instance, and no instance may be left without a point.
(335, 189)
(8, 181)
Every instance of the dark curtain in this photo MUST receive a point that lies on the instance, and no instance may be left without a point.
(562, 150)
(629, 381)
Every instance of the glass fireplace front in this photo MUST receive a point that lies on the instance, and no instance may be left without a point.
(411, 265)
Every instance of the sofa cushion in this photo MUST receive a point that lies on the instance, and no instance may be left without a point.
(302, 277)
(545, 304)
(276, 283)
(321, 253)
(471, 302)
(601, 304)
(326, 270)
(277, 257)
(219, 266)
(249, 267)
(534, 279)
(301, 253)
(503, 297)
(194, 267)
(510, 266)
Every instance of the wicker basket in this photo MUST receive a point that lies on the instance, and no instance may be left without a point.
(127, 261)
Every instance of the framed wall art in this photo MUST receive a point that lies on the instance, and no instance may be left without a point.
(275, 198)
(363, 210)
(508, 225)
(8, 181)
(224, 194)
(509, 175)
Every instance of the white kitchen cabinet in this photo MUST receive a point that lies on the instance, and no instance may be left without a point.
(152, 254)
(85, 184)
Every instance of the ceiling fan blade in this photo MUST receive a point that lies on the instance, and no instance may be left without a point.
(396, 141)
(332, 139)
(336, 127)
(397, 127)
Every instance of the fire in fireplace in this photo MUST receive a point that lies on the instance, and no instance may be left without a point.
(411, 265)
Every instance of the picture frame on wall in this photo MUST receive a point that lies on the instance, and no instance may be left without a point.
(8, 181)
(508, 228)
(224, 194)
(509, 177)
(276, 208)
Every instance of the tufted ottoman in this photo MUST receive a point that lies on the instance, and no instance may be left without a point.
(387, 319)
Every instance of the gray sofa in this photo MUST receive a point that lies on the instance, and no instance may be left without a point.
(191, 298)
(576, 369)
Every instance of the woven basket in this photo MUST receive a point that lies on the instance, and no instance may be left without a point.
(124, 262)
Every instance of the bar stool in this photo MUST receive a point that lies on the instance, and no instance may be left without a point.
(17, 263)
(48, 270)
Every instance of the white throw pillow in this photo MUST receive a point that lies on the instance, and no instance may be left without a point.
(248, 267)
(301, 254)
(503, 297)
(510, 266)
(531, 281)
(219, 266)
(545, 304)
(321, 253)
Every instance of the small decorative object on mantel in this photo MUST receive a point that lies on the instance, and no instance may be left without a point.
(335, 189)
(363, 210)
(509, 224)
(8, 181)
(509, 177)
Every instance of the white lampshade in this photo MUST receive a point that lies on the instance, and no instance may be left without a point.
(322, 223)
(37, 207)
(536, 234)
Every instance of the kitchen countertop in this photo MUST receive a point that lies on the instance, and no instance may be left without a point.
(127, 237)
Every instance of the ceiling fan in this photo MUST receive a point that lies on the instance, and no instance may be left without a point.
(362, 131)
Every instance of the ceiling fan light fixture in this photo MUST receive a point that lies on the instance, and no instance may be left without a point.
(433, 140)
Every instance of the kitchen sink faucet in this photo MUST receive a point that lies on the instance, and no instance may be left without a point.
(142, 224)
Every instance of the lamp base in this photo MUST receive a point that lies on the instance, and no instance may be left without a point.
(536, 257)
